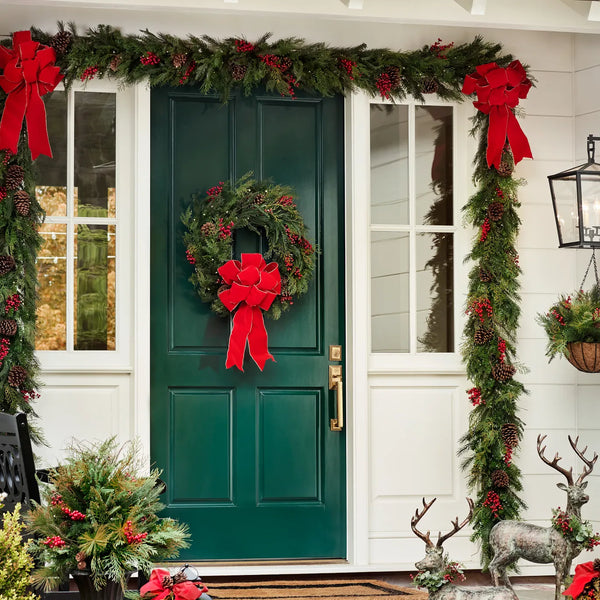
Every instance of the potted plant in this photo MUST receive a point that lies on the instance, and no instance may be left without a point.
(573, 328)
(586, 582)
(98, 521)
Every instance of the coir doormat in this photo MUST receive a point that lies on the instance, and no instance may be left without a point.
(312, 590)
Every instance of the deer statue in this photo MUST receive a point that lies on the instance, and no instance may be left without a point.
(435, 562)
(512, 540)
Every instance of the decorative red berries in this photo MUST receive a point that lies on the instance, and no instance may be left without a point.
(485, 230)
(384, 85)
(225, 230)
(347, 65)
(12, 303)
(215, 191)
(133, 538)
(475, 396)
(501, 350)
(150, 58)
(54, 542)
(190, 257)
(89, 73)
(439, 49)
(492, 501)
(243, 46)
(479, 307)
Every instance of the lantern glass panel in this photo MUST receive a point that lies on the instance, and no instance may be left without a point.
(590, 208)
(567, 216)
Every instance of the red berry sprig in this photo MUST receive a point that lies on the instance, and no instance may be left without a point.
(475, 396)
(54, 541)
(133, 538)
(479, 307)
(29, 395)
(508, 455)
(287, 201)
(485, 229)
(243, 46)
(492, 501)
(384, 85)
(4, 348)
(225, 230)
(150, 58)
(557, 316)
(289, 262)
(190, 257)
(345, 64)
(501, 350)
(3, 193)
(7, 156)
(12, 303)
(215, 191)
(439, 49)
(567, 302)
(499, 192)
(89, 73)
(74, 515)
(188, 72)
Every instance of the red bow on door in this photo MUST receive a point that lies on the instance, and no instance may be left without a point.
(254, 286)
(29, 73)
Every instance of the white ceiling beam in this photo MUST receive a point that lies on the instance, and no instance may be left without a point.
(354, 4)
(475, 7)
(231, 1)
(594, 13)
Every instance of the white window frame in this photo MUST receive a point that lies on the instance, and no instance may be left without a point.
(120, 359)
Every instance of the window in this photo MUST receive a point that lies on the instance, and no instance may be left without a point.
(84, 231)
(412, 228)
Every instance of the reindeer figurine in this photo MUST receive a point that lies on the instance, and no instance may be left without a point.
(435, 562)
(512, 540)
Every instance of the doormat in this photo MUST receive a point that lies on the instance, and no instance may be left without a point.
(312, 590)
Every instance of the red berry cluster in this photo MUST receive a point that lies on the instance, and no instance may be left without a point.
(286, 298)
(133, 538)
(557, 316)
(485, 229)
(567, 302)
(190, 257)
(225, 230)
(289, 262)
(7, 156)
(297, 273)
(287, 201)
(215, 191)
(479, 307)
(74, 515)
(384, 85)
(492, 501)
(475, 396)
(4, 348)
(516, 259)
(29, 395)
(54, 542)
(596, 314)
(2, 193)
(508, 455)
(243, 46)
(499, 192)
(150, 58)
(12, 303)
(561, 522)
(438, 48)
(89, 73)
(501, 350)
(347, 65)
(282, 65)
(188, 72)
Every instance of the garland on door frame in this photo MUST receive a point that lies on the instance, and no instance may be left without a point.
(288, 66)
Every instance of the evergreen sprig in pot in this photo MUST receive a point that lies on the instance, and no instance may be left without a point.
(98, 521)
(573, 328)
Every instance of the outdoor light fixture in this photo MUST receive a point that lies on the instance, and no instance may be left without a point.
(576, 202)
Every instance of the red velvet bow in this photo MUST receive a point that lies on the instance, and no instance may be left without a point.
(186, 590)
(254, 286)
(498, 92)
(584, 573)
(29, 73)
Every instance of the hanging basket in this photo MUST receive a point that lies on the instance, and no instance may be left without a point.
(584, 356)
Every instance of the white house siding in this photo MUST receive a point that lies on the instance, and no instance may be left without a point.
(405, 417)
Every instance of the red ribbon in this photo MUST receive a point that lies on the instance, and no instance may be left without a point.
(29, 73)
(254, 286)
(584, 573)
(498, 92)
(186, 590)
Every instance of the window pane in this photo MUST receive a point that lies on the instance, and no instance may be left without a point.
(389, 292)
(433, 164)
(95, 296)
(389, 164)
(51, 188)
(435, 292)
(52, 302)
(95, 116)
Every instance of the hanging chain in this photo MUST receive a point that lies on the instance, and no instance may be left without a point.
(592, 260)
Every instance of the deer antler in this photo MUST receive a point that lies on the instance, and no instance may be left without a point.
(456, 526)
(417, 518)
(589, 462)
(554, 464)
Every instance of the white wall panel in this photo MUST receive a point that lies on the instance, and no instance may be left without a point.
(548, 136)
(557, 103)
(548, 407)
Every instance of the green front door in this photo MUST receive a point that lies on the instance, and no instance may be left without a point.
(249, 459)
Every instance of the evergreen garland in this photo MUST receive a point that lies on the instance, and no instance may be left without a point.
(287, 66)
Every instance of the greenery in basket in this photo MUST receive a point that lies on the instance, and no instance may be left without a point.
(98, 516)
(15, 561)
(573, 318)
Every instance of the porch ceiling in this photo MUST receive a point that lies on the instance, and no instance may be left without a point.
(545, 15)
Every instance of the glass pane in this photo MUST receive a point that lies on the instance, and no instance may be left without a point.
(95, 296)
(565, 196)
(590, 208)
(95, 116)
(51, 182)
(389, 164)
(389, 292)
(433, 164)
(435, 292)
(52, 302)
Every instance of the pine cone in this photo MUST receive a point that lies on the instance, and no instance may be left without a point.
(495, 211)
(485, 276)
(167, 581)
(507, 163)
(179, 59)
(208, 229)
(510, 435)
(395, 79)
(80, 556)
(429, 85)
(82, 565)
(17, 376)
(22, 202)
(502, 372)
(500, 479)
(179, 577)
(7, 264)
(115, 61)
(14, 177)
(483, 335)
(285, 63)
(238, 72)
(259, 198)
(597, 564)
(8, 327)
(61, 42)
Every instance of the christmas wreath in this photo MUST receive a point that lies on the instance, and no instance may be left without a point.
(263, 208)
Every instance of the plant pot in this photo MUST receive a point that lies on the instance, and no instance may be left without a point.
(584, 356)
(111, 591)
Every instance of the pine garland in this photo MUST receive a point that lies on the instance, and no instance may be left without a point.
(289, 66)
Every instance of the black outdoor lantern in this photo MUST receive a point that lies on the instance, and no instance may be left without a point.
(576, 202)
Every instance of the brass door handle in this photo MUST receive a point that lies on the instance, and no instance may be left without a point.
(336, 382)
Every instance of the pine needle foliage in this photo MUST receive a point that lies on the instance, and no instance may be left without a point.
(98, 516)
(493, 303)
